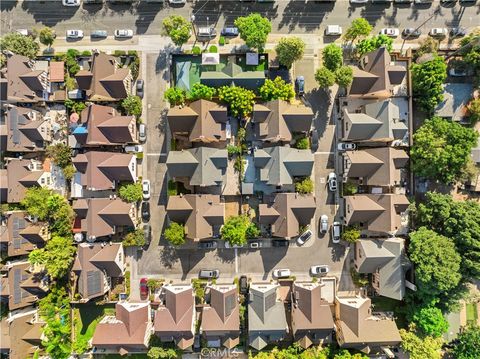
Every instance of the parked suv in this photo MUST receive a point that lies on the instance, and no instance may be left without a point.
(209, 273)
(207, 244)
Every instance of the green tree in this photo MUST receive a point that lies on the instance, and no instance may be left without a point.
(430, 320)
(61, 154)
(289, 50)
(304, 186)
(241, 134)
(35, 202)
(420, 348)
(359, 27)
(276, 89)
(47, 36)
(345, 354)
(162, 353)
(474, 111)
(467, 345)
(131, 192)
(428, 78)
(134, 238)
(19, 44)
(302, 143)
(427, 46)
(175, 234)
(441, 149)
(344, 76)
(437, 264)
(177, 28)
(351, 234)
(254, 30)
(56, 256)
(324, 77)
(471, 49)
(69, 172)
(373, 43)
(197, 92)
(238, 229)
(175, 96)
(239, 99)
(132, 105)
(234, 150)
(60, 215)
(457, 220)
(332, 56)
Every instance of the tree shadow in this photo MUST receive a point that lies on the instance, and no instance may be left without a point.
(169, 256)
(7, 5)
(146, 14)
(320, 101)
(304, 15)
(270, 259)
(42, 13)
(374, 12)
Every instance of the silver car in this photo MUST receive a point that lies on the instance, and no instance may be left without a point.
(319, 270)
(332, 181)
(123, 33)
(282, 273)
(142, 132)
(323, 223)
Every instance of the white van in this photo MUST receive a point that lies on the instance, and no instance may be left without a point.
(336, 232)
(333, 30)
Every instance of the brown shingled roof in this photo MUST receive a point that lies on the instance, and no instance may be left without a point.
(24, 84)
(26, 286)
(57, 71)
(27, 130)
(20, 177)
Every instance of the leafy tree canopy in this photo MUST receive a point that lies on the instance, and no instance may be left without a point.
(304, 186)
(177, 28)
(239, 99)
(175, 234)
(430, 321)
(162, 353)
(289, 50)
(428, 78)
(359, 27)
(420, 348)
(302, 143)
(176, 96)
(371, 44)
(254, 30)
(61, 154)
(56, 256)
(467, 345)
(134, 238)
(35, 202)
(47, 36)
(200, 91)
(471, 49)
(19, 44)
(344, 76)
(332, 57)
(276, 89)
(351, 234)
(132, 105)
(238, 229)
(441, 149)
(474, 111)
(324, 77)
(131, 192)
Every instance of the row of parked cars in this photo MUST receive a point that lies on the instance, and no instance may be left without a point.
(418, 2)
(100, 34)
(409, 32)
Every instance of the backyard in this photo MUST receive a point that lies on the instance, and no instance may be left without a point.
(384, 304)
(472, 313)
(86, 318)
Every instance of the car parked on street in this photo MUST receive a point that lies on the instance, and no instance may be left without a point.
(177, 2)
(143, 288)
(390, 31)
(98, 34)
(230, 31)
(332, 181)
(319, 270)
(333, 30)
(282, 273)
(123, 33)
(280, 243)
(300, 85)
(142, 132)
(206, 32)
(458, 32)
(209, 273)
(207, 244)
(134, 148)
(304, 237)
(323, 223)
(147, 233)
(146, 211)
(146, 189)
(336, 232)
(71, 2)
(411, 32)
(344, 146)
(74, 34)
(438, 32)
(255, 244)
(359, 1)
(139, 88)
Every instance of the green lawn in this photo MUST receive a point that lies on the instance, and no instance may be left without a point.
(87, 317)
(472, 314)
(383, 304)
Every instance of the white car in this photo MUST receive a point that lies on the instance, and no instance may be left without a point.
(438, 32)
(228, 245)
(319, 270)
(134, 148)
(71, 2)
(323, 223)
(332, 181)
(333, 30)
(282, 273)
(336, 229)
(74, 34)
(304, 237)
(123, 33)
(146, 189)
(358, 1)
(142, 132)
(390, 31)
(177, 2)
(344, 146)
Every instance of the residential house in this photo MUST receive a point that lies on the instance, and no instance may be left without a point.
(56, 78)
(202, 214)
(385, 259)
(379, 214)
(19, 236)
(21, 335)
(128, 331)
(26, 284)
(376, 76)
(105, 80)
(104, 126)
(285, 213)
(312, 318)
(95, 265)
(27, 130)
(25, 80)
(267, 321)
(233, 74)
(381, 166)
(361, 329)
(374, 122)
(22, 174)
(279, 166)
(103, 217)
(220, 318)
(278, 120)
(201, 166)
(202, 121)
(175, 318)
(456, 97)
(97, 171)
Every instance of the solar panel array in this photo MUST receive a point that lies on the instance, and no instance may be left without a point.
(17, 290)
(17, 226)
(14, 125)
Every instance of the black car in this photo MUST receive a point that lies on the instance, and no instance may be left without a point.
(411, 32)
(140, 84)
(230, 31)
(147, 233)
(280, 243)
(243, 284)
(208, 244)
(146, 211)
(300, 85)
(314, 140)
(98, 34)
(458, 32)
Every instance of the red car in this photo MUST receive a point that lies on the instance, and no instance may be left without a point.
(143, 288)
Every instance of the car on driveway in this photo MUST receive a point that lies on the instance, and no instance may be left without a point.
(142, 132)
(344, 146)
(147, 233)
(177, 2)
(255, 244)
(411, 32)
(282, 273)
(304, 237)
(230, 31)
(280, 243)
(146, 211)
(207, 244)
(438, 32)
(123, 33)
(206, 32)
(243, 284)
(74, 34)
(98, 34)
(458, 32)
(314, 140)
(71, 2)
(139, 88)
(333, 30)
(332, 181)
(300, 85)
(134, 148)
(358, 1)
(319, 270)
(390, 31)
(209, 273)
(323, 223)
(336, 232)
(143, 288)
(146, 189)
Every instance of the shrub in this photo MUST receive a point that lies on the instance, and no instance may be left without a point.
(234, 150)
(131, 192)
(196, 50)
(70, 83)
(304, 185)
(239, 165)
(349, 189)
(134, 238)
(324, 77)
(175, 96)
(302, 143)
(119, 53)
(238, 229)
(60, 153)
(86, 53)
(276, 89)
(172, 188)
(351, 234)
(200, 91)
(344, 76)
(221, 41)
(213, 49)
(239, 99)
(175, 234)
(134, 67)
(132, 53)
(132, 105)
